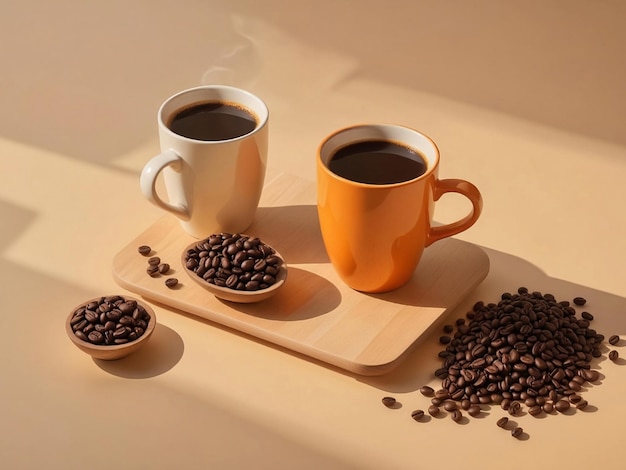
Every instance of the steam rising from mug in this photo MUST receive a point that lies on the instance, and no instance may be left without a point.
(232, 54)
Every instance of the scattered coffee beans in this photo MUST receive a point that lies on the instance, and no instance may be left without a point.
(613, 340)
(456, 415)
(417, 414)
(234, 261)
(110, 320)
(580, 301)
(517, 432)
(613, 355)
(502, 422)
(427, 391)
(144, 250)
(389, 402)
(154, 261)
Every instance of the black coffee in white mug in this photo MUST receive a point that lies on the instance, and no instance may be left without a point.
(213, 121)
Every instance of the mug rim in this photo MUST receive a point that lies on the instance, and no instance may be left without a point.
(261, 119)
(431, 166)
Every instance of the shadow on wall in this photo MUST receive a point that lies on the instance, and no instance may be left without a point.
(557, 63)
(86, 79)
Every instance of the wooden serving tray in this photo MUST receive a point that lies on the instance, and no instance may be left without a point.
(314, 314)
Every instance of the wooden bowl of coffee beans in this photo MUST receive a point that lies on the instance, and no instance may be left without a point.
(235, 267)
(110, 327)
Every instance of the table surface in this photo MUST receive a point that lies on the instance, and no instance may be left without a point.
(526, 101)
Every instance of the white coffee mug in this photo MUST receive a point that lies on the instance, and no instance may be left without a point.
(212, 185)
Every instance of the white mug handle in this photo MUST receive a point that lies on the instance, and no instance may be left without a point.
(148, 181)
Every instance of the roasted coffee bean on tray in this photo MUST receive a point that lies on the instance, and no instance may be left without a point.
(144, 250)
(110, 321)
(234, 261)
(526, 350)
(171, 282)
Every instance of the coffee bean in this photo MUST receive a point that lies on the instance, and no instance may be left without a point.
(81, 325)
(574, 398)
(434, 410)
(587, 316)
(449, 405)
(548, 407)
(389, 402)
(582, 404)
(153, 270)
(474, 410)
(417, 415)
(535, 410)
(517, 432)
(515, 408)
(154, 261)
(95, 337)
(144, 250)
(427, 391)
(456, 415)
(171, 282)
(164, 268)
(79, 334)
(91, 316)
(445, 339)
(502, 422)
(613, 340)
(448, 329)
(580, 301)
(561, 406)
(613, 355)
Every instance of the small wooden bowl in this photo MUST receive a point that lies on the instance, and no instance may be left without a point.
(116, 351)
(233, 295)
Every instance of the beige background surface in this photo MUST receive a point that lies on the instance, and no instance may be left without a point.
(525, 99)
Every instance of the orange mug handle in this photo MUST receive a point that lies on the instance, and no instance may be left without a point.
(468, 190)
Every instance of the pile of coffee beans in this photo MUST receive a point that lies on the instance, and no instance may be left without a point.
(234, 261)
(528, 349)
(528, 352)
(110, 320)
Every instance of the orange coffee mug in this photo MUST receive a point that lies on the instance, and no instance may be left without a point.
(376, 190)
